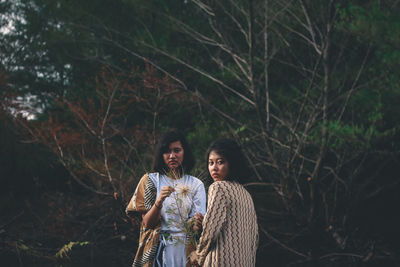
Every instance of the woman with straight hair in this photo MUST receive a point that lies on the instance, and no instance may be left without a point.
(230, 229)
(168, 199)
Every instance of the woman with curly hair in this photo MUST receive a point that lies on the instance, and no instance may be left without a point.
(167, 198)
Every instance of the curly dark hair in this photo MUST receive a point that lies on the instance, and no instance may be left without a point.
(163, 146)
(239, 170)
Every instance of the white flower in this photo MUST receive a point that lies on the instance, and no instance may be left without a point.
(182, 190)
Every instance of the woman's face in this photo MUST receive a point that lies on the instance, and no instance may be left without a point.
(217, 166)
(173, 157)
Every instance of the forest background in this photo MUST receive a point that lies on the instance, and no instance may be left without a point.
(309, 89)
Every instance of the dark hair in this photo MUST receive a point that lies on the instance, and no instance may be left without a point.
(163, 146)
(239, 170)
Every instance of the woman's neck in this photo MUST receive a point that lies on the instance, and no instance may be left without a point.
(174, 174)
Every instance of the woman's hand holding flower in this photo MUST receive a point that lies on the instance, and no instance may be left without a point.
(165, 192)
(197, 221)
(193, 259)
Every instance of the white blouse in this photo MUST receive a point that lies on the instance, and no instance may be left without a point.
(188, 198)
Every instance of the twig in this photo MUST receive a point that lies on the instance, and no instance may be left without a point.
(283, 245)
(12, 219)
(341, 255)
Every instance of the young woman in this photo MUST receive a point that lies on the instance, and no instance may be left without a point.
(230, 230)
(167, 198)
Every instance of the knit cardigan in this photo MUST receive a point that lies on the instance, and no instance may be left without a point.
(230, 229)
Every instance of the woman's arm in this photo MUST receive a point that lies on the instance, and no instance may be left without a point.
(213, 220)
(152, 217)
(144, 201)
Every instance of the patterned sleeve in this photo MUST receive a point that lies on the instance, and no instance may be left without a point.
(213, 221)
(143, 198)
(199, 200)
